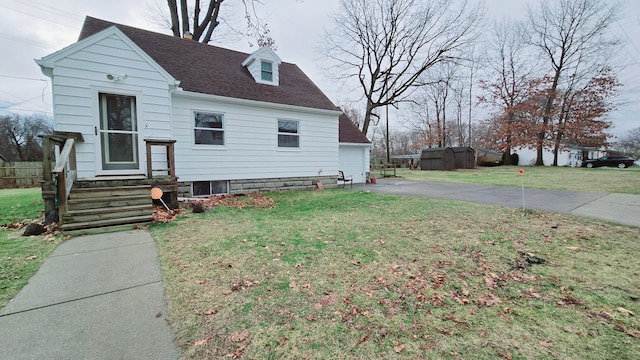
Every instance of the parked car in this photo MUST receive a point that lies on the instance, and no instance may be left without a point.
(619, 161)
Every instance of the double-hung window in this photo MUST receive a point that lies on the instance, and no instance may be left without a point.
(209, 129)
(266, 71)
(288, 133)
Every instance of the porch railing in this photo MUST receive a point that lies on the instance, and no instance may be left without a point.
(59, 176)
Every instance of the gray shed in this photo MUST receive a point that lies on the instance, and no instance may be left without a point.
(465, 157)
(441, 158)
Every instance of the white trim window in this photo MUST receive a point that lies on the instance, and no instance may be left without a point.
(266, 71)
(208, 128)
(288, 134)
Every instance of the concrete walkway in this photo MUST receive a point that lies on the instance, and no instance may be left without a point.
(95, 297)
(618, 208)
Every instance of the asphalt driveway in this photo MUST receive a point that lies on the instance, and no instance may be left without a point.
(619, 208)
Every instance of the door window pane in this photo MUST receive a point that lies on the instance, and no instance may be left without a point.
(119, 147)
(118, 112)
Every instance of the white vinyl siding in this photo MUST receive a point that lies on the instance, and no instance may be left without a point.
(81, 75)
(354, 161)
(251, 146)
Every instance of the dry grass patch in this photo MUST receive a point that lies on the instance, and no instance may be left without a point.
(338, 274)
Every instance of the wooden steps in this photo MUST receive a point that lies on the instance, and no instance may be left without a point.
(100, 205)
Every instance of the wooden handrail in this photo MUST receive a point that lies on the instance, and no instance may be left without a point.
(61, 164)
(65, 173)
(58, 178)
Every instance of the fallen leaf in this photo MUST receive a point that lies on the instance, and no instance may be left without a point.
(226, 292)
(445, 331)
(571, 248)
(625, 312)
(546, 344)
(283, 341)
(239, 336)
(506, 356)
(489, 283)
(398, 347)
(202, 342)
(31, 257)
(211, 312)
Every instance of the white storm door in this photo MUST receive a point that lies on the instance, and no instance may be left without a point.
(118, 133)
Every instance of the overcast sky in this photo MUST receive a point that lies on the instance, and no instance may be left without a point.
(31, 30)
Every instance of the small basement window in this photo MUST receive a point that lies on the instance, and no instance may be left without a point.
(266, 71)
(288, 134)
(208, 188)
(208, 129)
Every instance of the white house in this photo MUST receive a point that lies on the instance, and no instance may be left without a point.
(571, 156)
(239, 122)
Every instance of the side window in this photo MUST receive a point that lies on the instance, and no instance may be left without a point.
(288, 134)
(208, 129)
(207, 188)
(266, 71)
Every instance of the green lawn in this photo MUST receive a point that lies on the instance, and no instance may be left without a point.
(355, 275)
(20, 257)
(608, 180)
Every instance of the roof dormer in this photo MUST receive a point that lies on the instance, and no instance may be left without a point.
(263, 65)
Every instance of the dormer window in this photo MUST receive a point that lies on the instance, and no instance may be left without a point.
(266, 73)
(264, 66)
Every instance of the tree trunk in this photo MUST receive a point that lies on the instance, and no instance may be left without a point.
(175, 22)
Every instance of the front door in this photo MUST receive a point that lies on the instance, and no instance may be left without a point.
(118, 133)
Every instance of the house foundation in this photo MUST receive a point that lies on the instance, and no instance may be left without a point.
(243, 186)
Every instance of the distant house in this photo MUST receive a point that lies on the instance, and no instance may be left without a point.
(571, 155)
(240, 122)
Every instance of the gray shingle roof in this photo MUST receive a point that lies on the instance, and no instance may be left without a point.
(214, 70)
(349, 132)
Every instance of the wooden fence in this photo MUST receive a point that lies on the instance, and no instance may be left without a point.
(20, 174)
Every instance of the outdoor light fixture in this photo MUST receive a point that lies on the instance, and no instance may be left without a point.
(116, 77)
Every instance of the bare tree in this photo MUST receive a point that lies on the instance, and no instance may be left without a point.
(199, 19)
(630, 143)
(510, 68)
(19, 139)
(387, 45)
(570, 34)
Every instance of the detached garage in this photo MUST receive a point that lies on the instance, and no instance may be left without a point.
(353, 150)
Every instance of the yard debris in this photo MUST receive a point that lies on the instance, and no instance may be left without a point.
(202, 342)
(243, 201)
(160, 214)
(49, 229)
(625, 312)
(239, 336)
(34, 229)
